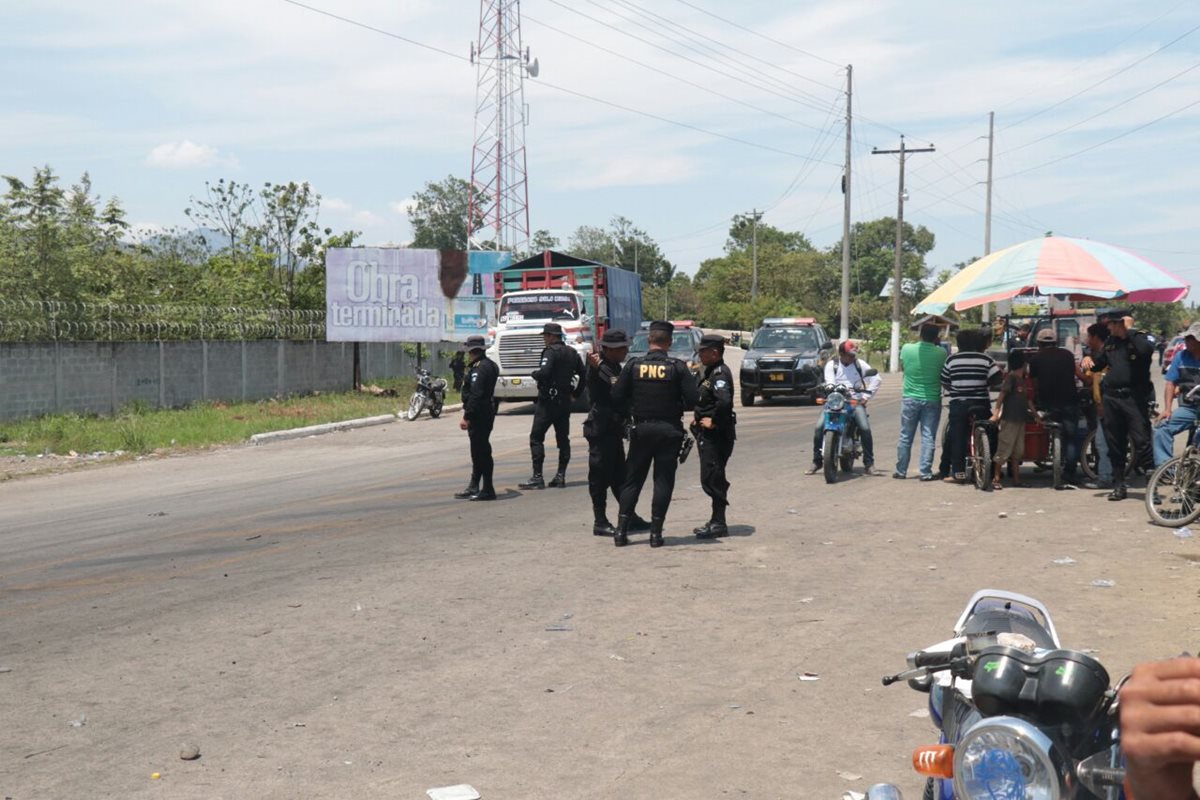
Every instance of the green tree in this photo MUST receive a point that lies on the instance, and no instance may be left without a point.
(439, 215)
(289, 229)
(225, 208)
(39, 267)
(742, 235)
(623, 244)
(873, 255)
(310, 282)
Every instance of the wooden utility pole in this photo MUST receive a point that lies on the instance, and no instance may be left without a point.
(987, 217)
(844, 334)
(898, 278)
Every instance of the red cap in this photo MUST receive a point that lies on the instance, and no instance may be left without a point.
(848, 346)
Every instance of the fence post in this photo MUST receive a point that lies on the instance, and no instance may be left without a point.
(112, 354)
(58, 376)
(243, 352)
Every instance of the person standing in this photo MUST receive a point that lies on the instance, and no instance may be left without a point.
(560, 380)
(1183, 376)
(458, 367)
(656, 389)
(849, 370)
(1126, 390)
(1097, 334)
(1054, 372)
(967, 378)
(921, 403)
(715, 427)
(1014, 407)
(479, 416)
(604, 430)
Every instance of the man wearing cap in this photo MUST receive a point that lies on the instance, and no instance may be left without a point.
(849, 370)
(560, 380)
(715, 428)
(479, 415)
(1054, 372)
(1182, 377)
(1126, 389)
(604, 430)
(656, 389)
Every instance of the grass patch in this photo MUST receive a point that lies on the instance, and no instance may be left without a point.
(137, 429)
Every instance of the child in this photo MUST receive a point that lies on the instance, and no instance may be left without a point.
(1013, 409)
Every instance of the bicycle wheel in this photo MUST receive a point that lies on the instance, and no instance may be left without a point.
(1173, 492)
(1089, 457)
(981, 458)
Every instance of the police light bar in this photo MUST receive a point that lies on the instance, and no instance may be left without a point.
(682, 323)
(769, 321)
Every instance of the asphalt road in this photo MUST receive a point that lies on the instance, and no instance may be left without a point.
(324, 621)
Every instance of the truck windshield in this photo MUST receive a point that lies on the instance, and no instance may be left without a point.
(544, 305)
(785, 339)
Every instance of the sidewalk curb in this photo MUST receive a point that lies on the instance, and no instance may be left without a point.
(333, 427)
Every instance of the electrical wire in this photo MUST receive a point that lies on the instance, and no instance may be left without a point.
(759, 35)
(372, 28)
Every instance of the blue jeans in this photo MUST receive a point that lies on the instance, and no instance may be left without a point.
(914, 412)
(1068, 419)
(864, 435)
(1181, 419)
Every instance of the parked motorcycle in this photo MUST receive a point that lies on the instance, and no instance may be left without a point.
(430, 394)
(1019, 716)
(841, 445)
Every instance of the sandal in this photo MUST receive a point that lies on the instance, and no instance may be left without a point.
(997, 486)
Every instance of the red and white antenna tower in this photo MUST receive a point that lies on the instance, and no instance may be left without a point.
(498, 207)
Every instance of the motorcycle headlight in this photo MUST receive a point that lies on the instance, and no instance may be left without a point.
(1005, 758)
(836, 401)
(749, 363)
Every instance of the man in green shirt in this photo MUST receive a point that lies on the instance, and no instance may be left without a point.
(921, 362)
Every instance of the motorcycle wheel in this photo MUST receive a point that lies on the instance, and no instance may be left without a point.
(981, 455)
(435, 410)
(1173, 492)
(414, 407)
(829, 456)
(1056, 457)
(1089, 457)
(847, 457)
(930, 790)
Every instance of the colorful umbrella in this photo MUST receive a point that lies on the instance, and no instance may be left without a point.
(1056, 265)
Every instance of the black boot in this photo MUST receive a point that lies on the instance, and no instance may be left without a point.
(621, 538)
(717, 528)
(1119, 492)
(704, 531)
(467, 493)
(559, 481)
(656, 526)
(636, 523)
(535, 482)
(602, 527)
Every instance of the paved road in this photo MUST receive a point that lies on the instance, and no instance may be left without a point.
(324, 621)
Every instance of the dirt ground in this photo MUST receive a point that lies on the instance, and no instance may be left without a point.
(322, 620)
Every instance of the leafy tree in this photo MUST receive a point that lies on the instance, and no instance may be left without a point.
(310, 282)
(225, 208)
(40, 267)
(873, 254)
(623, 245)
(742, 235)
(289, 230)
(439, 216)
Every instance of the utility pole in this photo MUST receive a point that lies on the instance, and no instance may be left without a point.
(987, 217)
(755, 216)
(845, 331)
(898, 278)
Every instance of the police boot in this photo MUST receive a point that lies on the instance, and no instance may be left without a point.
(704, 531)
(469, 492)
(602, 527)
(656, 526)
(636, 523)
(1120, 490)
(535, 482)
(559, 481)
(486, 493)
(621, 538)
(717, 527)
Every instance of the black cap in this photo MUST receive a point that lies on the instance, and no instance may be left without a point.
(660, 325)
(476, 343)
(552, 327)
(614, 338)
(1113, 314)
(712, 340)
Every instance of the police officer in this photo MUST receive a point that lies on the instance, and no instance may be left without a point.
(479, 415)
(560, 380)
(715, 429)
(1126, 390)
(605, 432)
(656, 389)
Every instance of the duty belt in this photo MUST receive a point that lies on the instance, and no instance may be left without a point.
(1120, 391)
(657, 419)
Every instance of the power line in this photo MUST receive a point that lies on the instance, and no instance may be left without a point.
(1106, 141)
(373, 29)
(759, 35)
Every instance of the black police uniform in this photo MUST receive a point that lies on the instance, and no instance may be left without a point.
(656, 389)
(560, 380)
(715, 445)
(479, 410)
(1126, 390)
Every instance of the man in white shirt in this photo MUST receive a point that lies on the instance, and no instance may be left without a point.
(850, 370)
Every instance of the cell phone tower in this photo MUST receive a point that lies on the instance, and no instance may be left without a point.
(498, 204)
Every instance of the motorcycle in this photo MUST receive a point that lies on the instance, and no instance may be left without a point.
(430, 394)
(841, 445)
(1019, 716)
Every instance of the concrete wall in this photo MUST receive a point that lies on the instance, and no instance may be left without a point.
(104, 377)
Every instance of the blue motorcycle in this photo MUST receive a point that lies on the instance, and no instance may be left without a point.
(841, 445)
(1019, 716)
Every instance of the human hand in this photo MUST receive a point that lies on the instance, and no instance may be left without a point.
(707, 423)
(1086, 362)
(995, 417)
(593, 359)
(1160, 728)
(1164, 416)
(464, 425)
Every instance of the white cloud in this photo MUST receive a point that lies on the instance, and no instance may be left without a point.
(335, 204)
(186, 155)
(402, 207)
(368, 219)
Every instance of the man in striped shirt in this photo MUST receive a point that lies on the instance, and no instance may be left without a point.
(967, 377)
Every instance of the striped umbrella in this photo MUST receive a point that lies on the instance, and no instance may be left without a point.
(1056, 265)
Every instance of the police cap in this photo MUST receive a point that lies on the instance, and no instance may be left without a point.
(712, 340)
(552, 327)
(662, 326)
(476, 343)
(614, 338)
(1117, 314)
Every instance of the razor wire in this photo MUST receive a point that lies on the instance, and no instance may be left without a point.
(53, 321)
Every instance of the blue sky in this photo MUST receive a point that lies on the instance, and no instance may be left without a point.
(153, 97)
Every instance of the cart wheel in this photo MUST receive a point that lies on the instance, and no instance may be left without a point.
(1056, 457)
(981, 458)
(829, 455)
(1089, 457)
(1173, 492)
